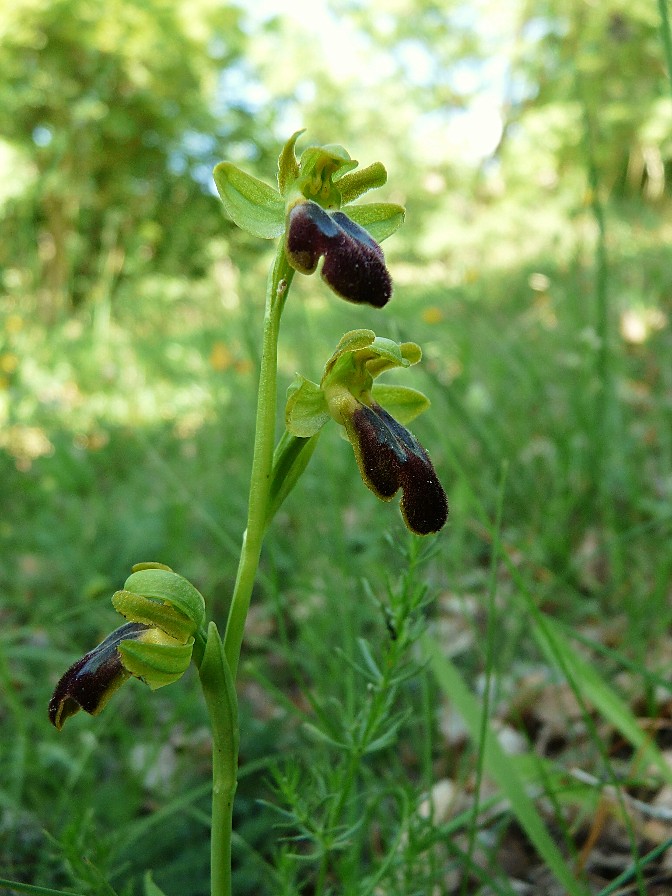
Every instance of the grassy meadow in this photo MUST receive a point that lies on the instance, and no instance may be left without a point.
(539, 616)
(484, 712)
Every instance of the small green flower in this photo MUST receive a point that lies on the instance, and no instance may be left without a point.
(388, 455)
(164, 611)
(312, 208)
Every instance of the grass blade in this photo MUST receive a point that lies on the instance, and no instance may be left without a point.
(498, 765)
(586, 680)
(32, 890)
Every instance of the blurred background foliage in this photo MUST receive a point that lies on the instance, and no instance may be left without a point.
(112, 117)
(532, 145)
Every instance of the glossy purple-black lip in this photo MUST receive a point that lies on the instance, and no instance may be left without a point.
(391, 458)
(354, 264)
(90, 682)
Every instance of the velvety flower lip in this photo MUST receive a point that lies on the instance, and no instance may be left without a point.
(389, 458)
(90, 682)
(354, 264)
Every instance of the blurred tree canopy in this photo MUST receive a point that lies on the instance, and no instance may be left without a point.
(598, 67)
(110, 110)
(113, 114)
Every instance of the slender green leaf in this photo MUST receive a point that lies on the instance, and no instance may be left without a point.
(289, 461)
(318, 734)
(626, 877)
(33, 890)
(372, 665)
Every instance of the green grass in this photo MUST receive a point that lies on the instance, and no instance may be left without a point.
(130, 442)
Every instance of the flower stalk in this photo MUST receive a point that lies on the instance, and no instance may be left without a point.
(279, 281)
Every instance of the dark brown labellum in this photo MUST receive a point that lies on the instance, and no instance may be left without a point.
(354, 264)
(390, 458)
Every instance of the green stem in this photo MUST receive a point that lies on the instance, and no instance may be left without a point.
(220, 698)
(666, 35)
(219, 662)
(607, 442)
(279, 280)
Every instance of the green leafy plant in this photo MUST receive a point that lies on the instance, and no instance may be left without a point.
(165, 629)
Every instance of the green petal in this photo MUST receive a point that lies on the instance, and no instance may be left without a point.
(386, 355)
(353, 185)
(403, 403)
(250, 203)
(352, 341)
(306, 411)
(381, 219)
(411, 352)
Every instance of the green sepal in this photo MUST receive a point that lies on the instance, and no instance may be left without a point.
(162, 584)
(402, 402)
(306, 410)
(250, 203)
(156, 658)
(150, 564)
(291, 458)
(288, 166)
(356, 183)
(380, 219)
(353, 341)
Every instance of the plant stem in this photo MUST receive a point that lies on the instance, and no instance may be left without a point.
(666, 36)
(219, 662)
(606, 442)
(220, 698)
(264, 442)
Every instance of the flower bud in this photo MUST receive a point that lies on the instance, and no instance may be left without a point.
(164, 611)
